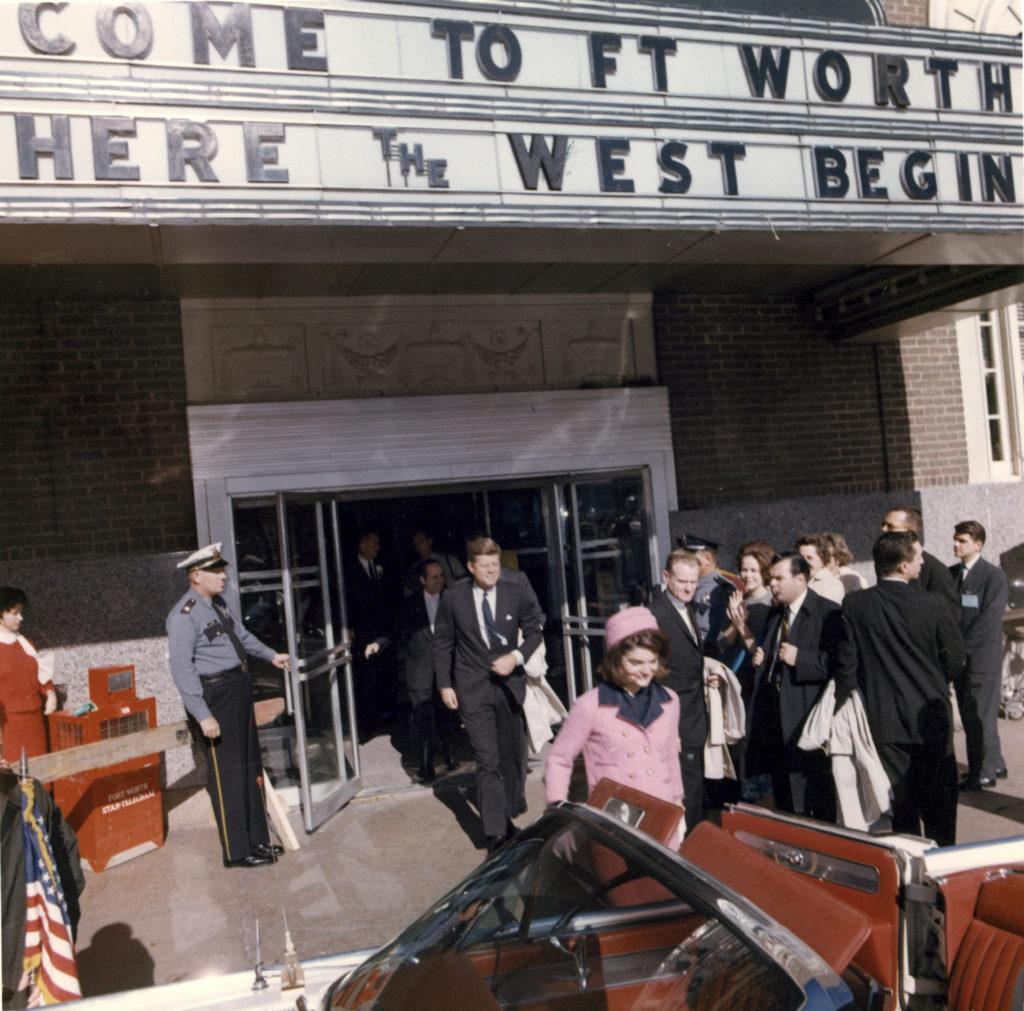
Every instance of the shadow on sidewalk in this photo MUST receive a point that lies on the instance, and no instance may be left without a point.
(114, 961)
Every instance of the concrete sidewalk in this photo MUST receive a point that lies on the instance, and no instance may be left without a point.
(177, 913)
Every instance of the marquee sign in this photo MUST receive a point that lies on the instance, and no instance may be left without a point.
(539, 111)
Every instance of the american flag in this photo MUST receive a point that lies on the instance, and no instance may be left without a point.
(49, 954)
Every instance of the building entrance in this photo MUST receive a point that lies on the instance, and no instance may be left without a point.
(586, 543)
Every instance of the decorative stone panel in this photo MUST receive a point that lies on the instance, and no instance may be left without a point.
(248, 352)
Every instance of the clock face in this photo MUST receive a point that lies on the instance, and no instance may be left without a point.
(994, 17)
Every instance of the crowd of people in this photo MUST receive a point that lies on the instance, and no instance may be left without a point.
(790, 683)
(845, 710)
(817, 683)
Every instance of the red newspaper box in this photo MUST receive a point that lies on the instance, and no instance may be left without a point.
(116, 811)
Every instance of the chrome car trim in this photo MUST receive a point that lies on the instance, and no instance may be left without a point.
(816, 864)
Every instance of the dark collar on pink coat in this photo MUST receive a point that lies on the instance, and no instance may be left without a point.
(642, 709)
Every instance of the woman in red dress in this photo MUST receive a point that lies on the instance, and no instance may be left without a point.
(24, 683)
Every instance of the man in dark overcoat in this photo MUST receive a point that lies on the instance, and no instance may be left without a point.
(902, 648)
(791, 670)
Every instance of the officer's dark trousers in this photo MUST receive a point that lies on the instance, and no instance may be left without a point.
(234, 770)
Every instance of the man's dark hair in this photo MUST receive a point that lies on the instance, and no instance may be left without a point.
(423, 564)
(914, 518)
(818, 542)
(972, 528)
(892, 549)
(797, 563)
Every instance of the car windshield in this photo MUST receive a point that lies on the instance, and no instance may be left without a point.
(573, 916)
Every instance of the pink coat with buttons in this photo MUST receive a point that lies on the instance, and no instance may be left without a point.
(616, 749)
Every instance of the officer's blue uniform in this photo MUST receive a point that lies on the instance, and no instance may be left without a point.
(207, 670)
(710, 605)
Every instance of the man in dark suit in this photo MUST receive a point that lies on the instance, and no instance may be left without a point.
(479, 670)
(934, 575)
(790, 671)
(415, 627)
(902, 648)
(451, 568)
(369, 616)
(674, 612)
(983, 595)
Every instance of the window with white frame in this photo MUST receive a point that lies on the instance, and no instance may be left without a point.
(991, 348)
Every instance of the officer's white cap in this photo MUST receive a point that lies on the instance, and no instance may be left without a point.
(205, 558)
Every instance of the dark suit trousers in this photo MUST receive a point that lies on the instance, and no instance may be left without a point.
(691, 760)
(801, 780)
(923, 779)
(978, 696)
(234, 768)
(494, 723)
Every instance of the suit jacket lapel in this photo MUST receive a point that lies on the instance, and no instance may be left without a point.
(683, 623)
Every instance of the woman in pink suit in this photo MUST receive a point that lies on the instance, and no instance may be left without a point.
(627, 727)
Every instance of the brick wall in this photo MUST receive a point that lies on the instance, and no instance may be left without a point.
(935, 407)
(764, 407)
(92, 407)
(912, 13)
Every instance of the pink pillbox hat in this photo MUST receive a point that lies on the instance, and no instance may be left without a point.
(627, 622)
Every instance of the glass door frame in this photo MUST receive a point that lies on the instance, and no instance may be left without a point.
(331, 663)
(326, 663)
(576, 624)
(558, 500)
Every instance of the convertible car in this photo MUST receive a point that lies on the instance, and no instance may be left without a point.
(596, 907)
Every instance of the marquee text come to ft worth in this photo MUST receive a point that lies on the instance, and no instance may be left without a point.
(653, 102)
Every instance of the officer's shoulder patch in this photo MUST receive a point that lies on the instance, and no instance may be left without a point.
(186, 608)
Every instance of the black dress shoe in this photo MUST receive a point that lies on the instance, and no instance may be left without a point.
(969, 783)
(252, 860)
(268, 850)
(1002, 773)
(495, 842)
(987, 781)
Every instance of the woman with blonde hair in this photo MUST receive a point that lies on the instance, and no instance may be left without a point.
(841, 558)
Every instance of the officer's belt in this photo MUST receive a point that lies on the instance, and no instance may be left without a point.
(212, 679)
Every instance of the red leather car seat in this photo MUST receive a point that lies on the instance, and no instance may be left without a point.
(988, 971)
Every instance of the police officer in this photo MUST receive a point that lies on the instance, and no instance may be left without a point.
(208, 649)
(714, 589)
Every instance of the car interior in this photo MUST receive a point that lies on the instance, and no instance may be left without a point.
(581, 925)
